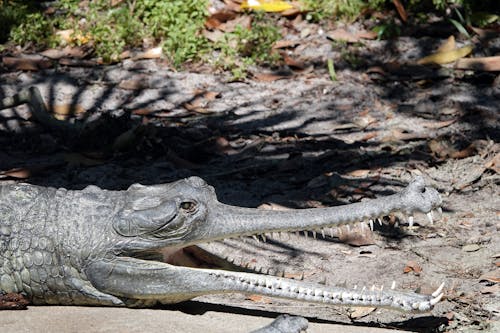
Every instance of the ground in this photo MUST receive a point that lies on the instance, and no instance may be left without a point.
(293, 139)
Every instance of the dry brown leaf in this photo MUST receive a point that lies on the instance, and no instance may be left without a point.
(412, 266)
(493, 163)
(342, 34)
(369, 136)
(489, 64)
(26, 63)
(211, 95)
(269, 77)
(63, 111)
(152, 53)
(259, 299)
(245, 21)
(360, 312)
(294, 64)
(493, 276)
(219, 17)
(19, 173)
(361, 173)
(439, 124)
(284, 44)
(272, 206)
(68, 51)
(494, 289)
(142, 112)
(401, 10)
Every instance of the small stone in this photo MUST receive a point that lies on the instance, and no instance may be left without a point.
(471, 248)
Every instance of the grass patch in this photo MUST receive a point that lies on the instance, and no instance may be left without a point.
(245, 47)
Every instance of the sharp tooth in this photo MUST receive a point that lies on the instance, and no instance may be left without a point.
(297, 234)
(314, 234)
(372, 288)
(348, 228)
(393, 285)
(440, 210)
(331, 232)
(379, 220)
(256, 238)
(263, 237)
(436, 300)
(410, 221)
(371, 224)
(438, 290)
(355, 287)
(305, 233)
(429, 217)
(302, 276)
(323, 233)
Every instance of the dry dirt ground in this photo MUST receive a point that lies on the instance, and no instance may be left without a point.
(300, 141)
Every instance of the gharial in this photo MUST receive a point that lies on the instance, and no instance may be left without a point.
(99, 247)
(93, 246)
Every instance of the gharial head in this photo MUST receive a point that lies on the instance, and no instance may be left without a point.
(169, 218)
(164, 214)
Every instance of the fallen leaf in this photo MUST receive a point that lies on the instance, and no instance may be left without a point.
(219, 17)
(493, 163)
(259, 299)
(19, 173)
(401, 10)
(272, 206)
(269, 77)
(33, 63)
(152, 53)
(494, 289)
(211, 95)
(244, 21)
(470, 248)
(360, 173)
(294, 64)
(270, 6)
(142, 112)
(412, 266)
(493, 276)
(446, 57)
(488, 64)
(342, 34)
(285, 43)
(360, 311)
(439, 124)
(68, 51)
(64, 111)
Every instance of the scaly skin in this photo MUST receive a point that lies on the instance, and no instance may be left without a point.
(84, 247)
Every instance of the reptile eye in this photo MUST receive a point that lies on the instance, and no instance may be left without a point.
(188, 206)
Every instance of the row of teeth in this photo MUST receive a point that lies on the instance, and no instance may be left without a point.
(374, 296)
(332, 231)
